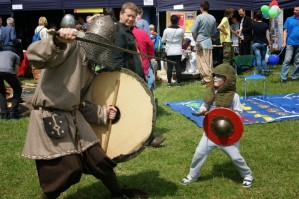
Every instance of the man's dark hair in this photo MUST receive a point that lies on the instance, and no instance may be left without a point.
(174, 19)
(205, 5)
(296, 6)
(242, 8)
(258, 15)
(110, 11)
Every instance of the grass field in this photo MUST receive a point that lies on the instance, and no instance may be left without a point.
(271, 150)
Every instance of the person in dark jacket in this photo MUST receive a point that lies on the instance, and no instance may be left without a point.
(124, 38)
(245, 33)
(261, 41)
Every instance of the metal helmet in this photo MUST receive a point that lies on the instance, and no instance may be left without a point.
(102, 30)
(68, 21)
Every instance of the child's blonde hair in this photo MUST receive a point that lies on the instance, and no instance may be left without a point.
(42, 21)
(152, 27)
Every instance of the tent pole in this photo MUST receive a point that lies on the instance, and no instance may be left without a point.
(158, 21)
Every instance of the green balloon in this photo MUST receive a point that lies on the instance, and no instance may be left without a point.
(265, 9)
(273, 13)
(279, 12)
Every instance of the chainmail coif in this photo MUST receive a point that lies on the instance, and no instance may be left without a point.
(225, 94)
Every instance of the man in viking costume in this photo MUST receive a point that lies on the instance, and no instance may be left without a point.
(222, 94)
(59, 136)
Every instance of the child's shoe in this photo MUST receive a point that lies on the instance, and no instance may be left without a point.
(247, 182)
(188, 180)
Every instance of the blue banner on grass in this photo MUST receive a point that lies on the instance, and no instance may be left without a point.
(256, 109)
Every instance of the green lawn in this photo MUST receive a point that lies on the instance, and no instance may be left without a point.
(269, 149)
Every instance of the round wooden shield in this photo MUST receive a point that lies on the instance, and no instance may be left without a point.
(133, 131)
(223, 126)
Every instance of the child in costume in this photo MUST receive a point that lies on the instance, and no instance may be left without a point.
(222, 94)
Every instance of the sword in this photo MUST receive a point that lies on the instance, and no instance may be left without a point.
(80, 37)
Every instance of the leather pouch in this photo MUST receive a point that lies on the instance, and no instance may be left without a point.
(56, 126)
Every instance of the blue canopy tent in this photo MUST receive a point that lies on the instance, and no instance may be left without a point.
(98, 4)
(5, 6)
(75, 4)
(37, 5)
(285, 4)
(168, 5)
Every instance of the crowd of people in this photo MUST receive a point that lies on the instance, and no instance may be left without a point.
(61, 158)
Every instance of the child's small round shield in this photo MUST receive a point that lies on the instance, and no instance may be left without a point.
(223, 126)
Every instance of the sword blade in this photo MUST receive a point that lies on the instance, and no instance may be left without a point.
(80, 37)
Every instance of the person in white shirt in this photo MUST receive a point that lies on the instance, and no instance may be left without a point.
(173, 37)
(42, 27)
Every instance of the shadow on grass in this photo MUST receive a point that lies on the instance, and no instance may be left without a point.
(149, 182)
(161, 131)
(225, 170)
(184, 82)
(161, 110)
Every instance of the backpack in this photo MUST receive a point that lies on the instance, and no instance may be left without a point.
(36, 36)
(158, 44)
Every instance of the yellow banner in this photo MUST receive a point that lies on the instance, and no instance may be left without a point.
(89, 10)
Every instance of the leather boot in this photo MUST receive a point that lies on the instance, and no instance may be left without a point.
(157, 141)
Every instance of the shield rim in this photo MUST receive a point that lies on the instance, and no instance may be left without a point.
(126, 157)
(233, 117)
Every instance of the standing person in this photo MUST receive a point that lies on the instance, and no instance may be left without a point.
(124, 38)
(9, 36)
(244, 32)
(42, 27)
(1, 43)
(225, 36)
(291, 43)
(64, 151)
(111, 13)
(186, 53)
(261, 40)
(157, 41)
(222, 94)
(235, 36)
(9, 62)
(146, 46)
(142, 23)
(0, 24)
(173, 37)
(202, 29)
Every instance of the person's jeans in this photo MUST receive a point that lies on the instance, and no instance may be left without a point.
(260, 53)
(291, 50)
(151, 78)
(15, 84)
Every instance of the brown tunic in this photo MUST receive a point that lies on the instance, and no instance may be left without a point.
(64, 83)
